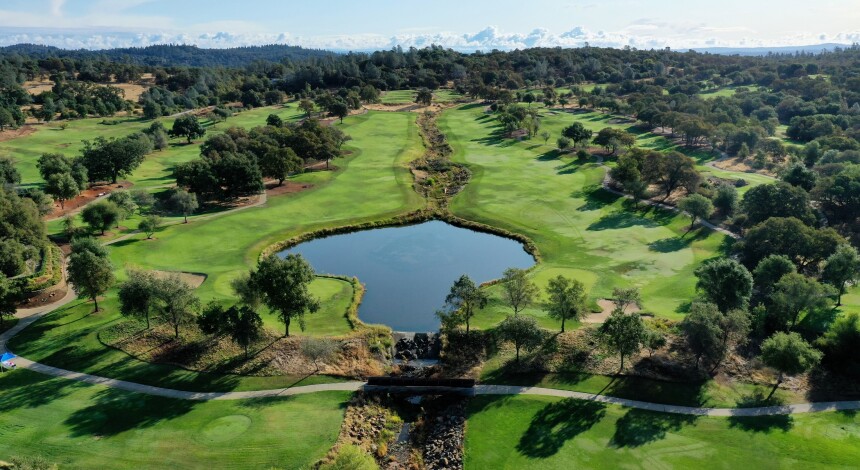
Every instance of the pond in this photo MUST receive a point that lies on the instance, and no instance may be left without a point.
(408, 271)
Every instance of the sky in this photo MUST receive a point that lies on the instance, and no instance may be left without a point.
(465, 25)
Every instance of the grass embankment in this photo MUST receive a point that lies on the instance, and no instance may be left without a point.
(581, 230)
(77, 425)
(500, 369)
(373, 183)
(546, 432)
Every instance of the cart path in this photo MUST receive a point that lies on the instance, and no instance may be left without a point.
(607, 186)
(29, 317)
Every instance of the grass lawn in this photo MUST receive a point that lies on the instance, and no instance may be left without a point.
(77, 425)
(581, 230)
(373, 182)
(69, 338)
(398, 97)
(726, 92)
(548, 432)
(156, 169)
(446, 96)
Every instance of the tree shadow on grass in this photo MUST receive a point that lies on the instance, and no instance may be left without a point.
(472, 106)
(639, 427)
(115, 411)
(553, 154)
(127, 241)
(766, 424)
(568, 168)
(26, 389)
(684, 393)
(815, 323)
(669, 245)
(595, 198)
(673, 244)
(557, 423)
(620, 220)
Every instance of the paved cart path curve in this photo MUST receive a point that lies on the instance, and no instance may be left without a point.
(26, 318)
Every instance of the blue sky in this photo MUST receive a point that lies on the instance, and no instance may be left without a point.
(463, 24)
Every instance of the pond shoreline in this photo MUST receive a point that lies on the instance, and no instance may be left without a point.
(408, 268)
(405, 220)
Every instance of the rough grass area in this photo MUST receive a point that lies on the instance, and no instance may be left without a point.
(724, 392)
(78, 426)
(71, 338)
(156, 169)
(544, 432)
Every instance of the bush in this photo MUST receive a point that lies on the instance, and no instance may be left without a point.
(563, 143)
(50, 271)
(839, 344)
(351, 457)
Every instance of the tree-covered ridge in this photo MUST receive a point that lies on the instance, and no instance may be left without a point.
(173, 54)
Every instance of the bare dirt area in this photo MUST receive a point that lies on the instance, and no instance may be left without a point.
(132, 90)
(734, 164)
(192, 279)
(89, 195)
(289, 187)
(35, 87)
(319, 166)
(23, 131)
(404, 107)
(46, 297)
(608, 306)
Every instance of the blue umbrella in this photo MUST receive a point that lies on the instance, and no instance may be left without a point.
(7, 356)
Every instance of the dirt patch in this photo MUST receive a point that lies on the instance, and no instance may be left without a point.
(735, 164)
(89, 195)
(608, 306)
(192, 279)
(35, 87)
(289, 187)
(23, 131)
(132, 90)
(407, 107)
(236, 203)
(49, 296)
(319, 166)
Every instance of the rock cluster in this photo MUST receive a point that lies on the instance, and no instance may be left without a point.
(420, 346)
(443, 446)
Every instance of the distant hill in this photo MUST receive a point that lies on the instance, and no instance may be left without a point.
(758, 51)
(174, 54)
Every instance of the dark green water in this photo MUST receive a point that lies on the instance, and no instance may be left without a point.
(408, 271)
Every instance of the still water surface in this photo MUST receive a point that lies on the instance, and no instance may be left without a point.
(408, 271)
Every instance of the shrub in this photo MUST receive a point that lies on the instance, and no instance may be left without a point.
(351, 457)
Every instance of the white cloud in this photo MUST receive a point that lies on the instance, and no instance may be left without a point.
(643, 34)
(57, 7)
